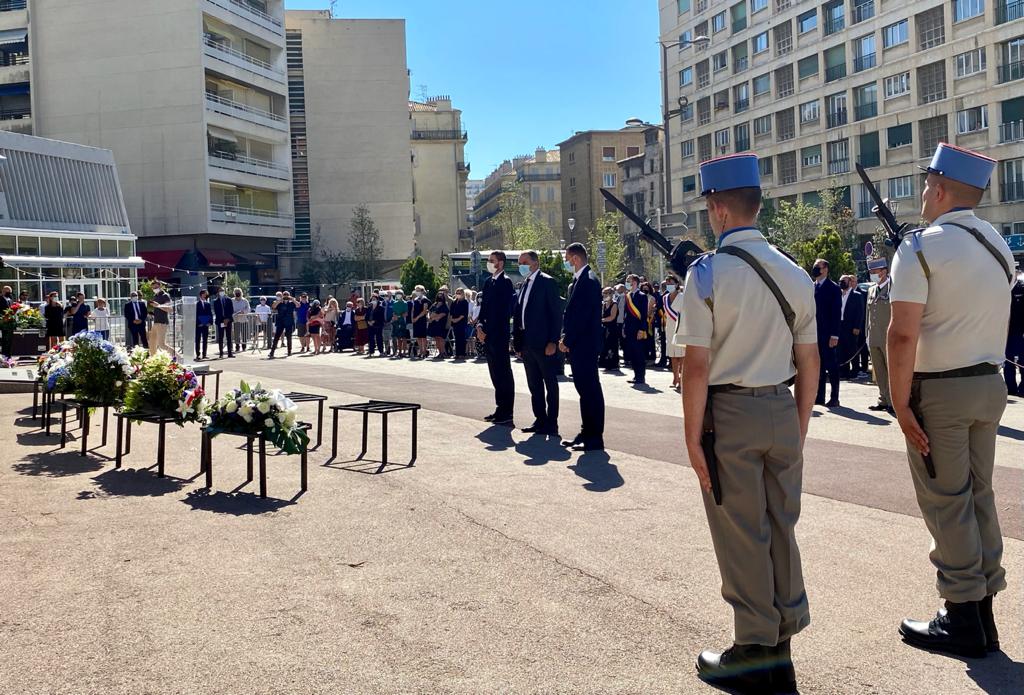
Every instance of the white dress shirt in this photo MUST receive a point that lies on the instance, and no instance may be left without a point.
(527, 288)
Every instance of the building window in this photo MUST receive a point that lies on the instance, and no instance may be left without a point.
(572, 182)
(689, 184)
(807, 21)
(686, 112)
(740, 59)
(838, 156)
(722, 100)
(865, 100)
(551, 194)
(810, 156)
(534, 194)
(966, 9)
(760, 43)
(722, 139)
(863, 10)
(1013, 60)
(783, 39)
(834, 16)
(932, 132)
(572, 156)
(864, 53)
(895, 34)
(787, 167)
(810, 112)
(901, 187)
(608, 181)
(762, 84)
(763, 125)
(685, 40)
(758, 5)
(1013, 180)
(572, 207)
(742, 135)
(741, 97)
(835, 110)
(718, 23)
(835, 63)
(704, 148)
(703, 74)
(784, 81)
(806, 67)
(685, 77)
(972, 120)
(897, 85)
(931, 82)
(971, 62)
(607, 154)
(704, 111)
(632, 151)
(931, 29)
(899, 135)
(686, 148)
(738, 12)
(869, 151)
(720, 61)
(785, 125)
(682, 6)
(764, 165)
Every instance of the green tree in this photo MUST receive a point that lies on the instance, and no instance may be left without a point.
(767, 218)
(837, 215)
(607, 230)
(553, 264)
(444, 270)
(364, 241)
(827, 245)
(794, 223)
(520, 228)
(233, 280)
(417, 271)
(326, 267)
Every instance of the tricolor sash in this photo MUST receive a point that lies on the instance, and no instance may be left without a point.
(672, 314)
(632, 308)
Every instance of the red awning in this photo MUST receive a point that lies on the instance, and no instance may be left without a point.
(160, 264)
(217, 258)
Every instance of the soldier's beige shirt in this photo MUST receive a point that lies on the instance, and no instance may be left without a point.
(750, 343)
(966, 299)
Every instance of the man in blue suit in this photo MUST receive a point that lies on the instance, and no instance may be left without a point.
(493, 331)
(583, 339)
(224, 314)
(851, 326)
(634, 329)
(135, 313)
(828, 300)
(537, 327)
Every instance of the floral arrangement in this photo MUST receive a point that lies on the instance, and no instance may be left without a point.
(99, 370)
(22, 317)
(8, 362)
(256, 410)
(54, 367)
(163, 386)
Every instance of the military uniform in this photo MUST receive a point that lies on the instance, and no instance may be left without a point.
(878, 316)
(959, 397)
(727, 308)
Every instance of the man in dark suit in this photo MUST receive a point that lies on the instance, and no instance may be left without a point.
(224, 313)
(851, 327)
(828, 300)
(493, 331)
(583, 339)
(538, 327)
(634, 329)
(135, 313)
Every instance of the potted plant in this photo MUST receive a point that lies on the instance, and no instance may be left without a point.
(254, 410)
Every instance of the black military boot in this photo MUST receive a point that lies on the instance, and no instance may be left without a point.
(988, 621)
(956, 630)
(783, 674)
(745, 668)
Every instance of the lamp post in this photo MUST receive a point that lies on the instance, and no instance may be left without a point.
(668, 113)
(572, 225)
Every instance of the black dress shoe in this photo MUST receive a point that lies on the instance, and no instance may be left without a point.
(832, 403)
(783, 673)
(503, 422)
(589, 446)
(878, 406)
(988, 621)
(535, 427)
(490, 418)
(744, 668)
(956, 630)
(819, 401)
(578, 439)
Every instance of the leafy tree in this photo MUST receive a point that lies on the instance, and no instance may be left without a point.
(364, 241)
(326, 267)
(417, 271)
(827, 245)
(520, 228)
(444, 271)
(553, 264)
(607, 230)
(233, 280)
(767, 218)
(794, 223)
(837, 215)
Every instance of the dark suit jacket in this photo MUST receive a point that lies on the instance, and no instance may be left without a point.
(496, 308)
(377, 315)
(223, 309)
(204, 309)
(632, 324)
(853, 316)
(129, 312)
(828, 304)
(581, 325)
(1017, 309)
(543, 315)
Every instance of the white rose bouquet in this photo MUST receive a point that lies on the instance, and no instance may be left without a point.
(256, 410)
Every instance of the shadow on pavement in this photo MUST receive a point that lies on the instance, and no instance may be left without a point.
(28, 421)
(540, 449)
(39, 438)
(596, 467)
(365, 465)
(56, 464)
(646, 388)
(851, 414)
(134, 482)
(497, 438)
(997, 674)
(238, 504)
(1011, 433)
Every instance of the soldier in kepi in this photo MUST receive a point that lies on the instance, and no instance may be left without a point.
(877, 325)
(747, 322)
(945, 346)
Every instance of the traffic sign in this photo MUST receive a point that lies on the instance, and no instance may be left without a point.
(1015, 242)
(602, 262)
(868, 248)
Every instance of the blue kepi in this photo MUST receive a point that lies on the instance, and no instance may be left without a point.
(729, 172)
(961, 165)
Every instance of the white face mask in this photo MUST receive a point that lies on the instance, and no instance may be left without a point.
(670, 288)
(876, 278)
(491, 268)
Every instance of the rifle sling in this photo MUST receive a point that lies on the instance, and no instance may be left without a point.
(746, 257)
(988, 247)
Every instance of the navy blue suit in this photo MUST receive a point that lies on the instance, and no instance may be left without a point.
(583, 334)
(853, 318)
(204, 317)
(828, 303)
(495, 314)
(537, 325)
(636, 348)
(136, 311)
(224, 314)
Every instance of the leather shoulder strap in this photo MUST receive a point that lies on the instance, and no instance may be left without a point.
(988, 247)
(787, 309)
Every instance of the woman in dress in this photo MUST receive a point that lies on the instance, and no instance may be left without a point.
(419, 310)
(673, 302)
(437, 328)
(314, 324)
(610, 323)
(53, 313)
(330, 326)
(362, 327)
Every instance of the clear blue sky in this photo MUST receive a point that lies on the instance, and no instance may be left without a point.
(529, 72)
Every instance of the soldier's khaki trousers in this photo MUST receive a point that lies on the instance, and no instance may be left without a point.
(757, 442)
(880, 367)
(961, 417)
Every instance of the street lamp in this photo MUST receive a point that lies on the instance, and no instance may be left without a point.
(668, 113)
(572, 225)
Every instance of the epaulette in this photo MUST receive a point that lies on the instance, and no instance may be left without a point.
(704, 276)
(915, 245)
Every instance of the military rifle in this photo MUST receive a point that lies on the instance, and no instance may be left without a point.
(679, 256)
(894, 231)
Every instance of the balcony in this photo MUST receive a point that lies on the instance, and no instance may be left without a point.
(8, 5)
(223, 51)
(462, 166)
(864, 209)
(242, 9)
(741, 105)
(862, 111)
(249, 165)
(839, 166)
(540, 177)
(834, 119)
(742, 145)
(1011, 71)
(1006, 11)
(1012, 191)
(862, 12)
(740, 64)
(240, 215)
(1011, 132)
(228, 107)
(834, 25)
(440, 135)
(836, 72)
(861, 63)
(15, 113)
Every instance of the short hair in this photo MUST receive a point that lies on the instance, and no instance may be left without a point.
(821, 260)
(633, 276)
(531, 254)
(671, 278)
(962, 192)
(238, 290)
(578, 249)
(500, 255)
(745, 201)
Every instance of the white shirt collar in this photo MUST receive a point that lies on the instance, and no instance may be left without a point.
(530, 276)
(952, 216)
(576, 275)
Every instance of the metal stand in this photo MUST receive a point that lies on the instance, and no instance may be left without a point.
(383, 408)
(206, 459)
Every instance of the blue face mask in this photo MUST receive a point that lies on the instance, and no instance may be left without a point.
(524, 270)
(568, 267)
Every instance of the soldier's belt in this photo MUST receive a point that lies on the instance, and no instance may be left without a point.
(750, 390)
(983, 369)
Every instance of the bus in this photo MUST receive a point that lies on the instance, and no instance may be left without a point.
(461, 266)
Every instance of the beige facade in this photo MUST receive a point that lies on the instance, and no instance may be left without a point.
(642, 179)
(439, 175)
(190, 95)
(538, 175)
(354, 84)
(590, 163)
(814, 87)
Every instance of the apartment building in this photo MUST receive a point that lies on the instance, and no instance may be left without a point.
(538, 175)
(813, 87)
(190, 95)
(15, 68)
(439, 176)
(589, 163)
(642, 179)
